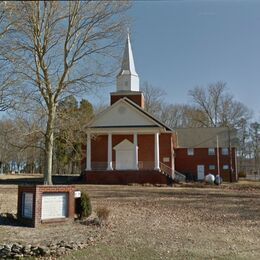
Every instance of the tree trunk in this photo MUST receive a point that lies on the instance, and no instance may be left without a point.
(49, 140)
(18, 168)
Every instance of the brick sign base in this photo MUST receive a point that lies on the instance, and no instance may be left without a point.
(31, 211)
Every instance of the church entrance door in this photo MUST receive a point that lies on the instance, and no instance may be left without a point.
(124, 160)
(125, 155)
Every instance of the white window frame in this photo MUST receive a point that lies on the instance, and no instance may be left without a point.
(224, 151)
(212, 167)
(190, 151)
(225, 167)
(211, 151)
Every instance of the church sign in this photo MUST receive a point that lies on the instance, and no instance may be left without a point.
(27, 205)
(45, 204)
(54, 205)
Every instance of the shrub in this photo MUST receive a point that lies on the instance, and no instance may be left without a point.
(102, 213)
(85, 206)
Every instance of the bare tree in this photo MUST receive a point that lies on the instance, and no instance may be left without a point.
(20, 141)
(4, 149)
(7, 78)
(180, 115)
(173, 115)
(208, 101)
(153, 98)
(254, 132)
(62, 48)
(219, 108)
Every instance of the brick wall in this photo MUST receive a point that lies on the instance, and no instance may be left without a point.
(188, 164)
(138, 99)
(166, 149)
(125, 177)
(146, 148)
(145, 155)
(38, 191)
(21, 190)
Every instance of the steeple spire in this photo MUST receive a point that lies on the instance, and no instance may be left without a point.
(127, 79)
(128, 59)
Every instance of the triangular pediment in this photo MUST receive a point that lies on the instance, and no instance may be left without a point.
(124, 145)
(122, 114)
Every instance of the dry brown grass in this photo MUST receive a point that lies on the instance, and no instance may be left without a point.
(103, 213)
(159, 223)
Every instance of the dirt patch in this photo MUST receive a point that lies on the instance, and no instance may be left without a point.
(158, 223)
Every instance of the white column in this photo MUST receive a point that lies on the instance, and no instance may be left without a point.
(88, 153)
(109, 153)
(156, 152)
(136, 150)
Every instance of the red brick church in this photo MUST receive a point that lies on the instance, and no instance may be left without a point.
(125, 144)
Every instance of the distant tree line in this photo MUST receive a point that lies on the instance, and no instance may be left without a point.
(22, 139)
(22, 135)
(52, 52)
(211, 106)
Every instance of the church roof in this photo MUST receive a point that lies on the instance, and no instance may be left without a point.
(149, 115)
(204, 137)
(123, 114)
(128, 65)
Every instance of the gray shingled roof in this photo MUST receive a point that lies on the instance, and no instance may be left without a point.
(205, 137)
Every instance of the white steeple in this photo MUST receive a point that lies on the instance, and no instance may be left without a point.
(127, 79)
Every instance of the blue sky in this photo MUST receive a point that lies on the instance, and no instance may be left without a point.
(179, 44)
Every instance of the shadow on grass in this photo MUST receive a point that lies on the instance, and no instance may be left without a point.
(39, 180)
(9, 219)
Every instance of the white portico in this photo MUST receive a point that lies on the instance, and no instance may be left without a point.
(124, 118)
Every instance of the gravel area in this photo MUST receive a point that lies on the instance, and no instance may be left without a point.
(184, 222)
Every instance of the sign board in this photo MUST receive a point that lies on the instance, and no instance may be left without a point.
(54, 205)
(166, 159)
(77, 194)
(27, 205)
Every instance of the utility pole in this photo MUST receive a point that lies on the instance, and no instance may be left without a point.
(218, 157)
(230, 156)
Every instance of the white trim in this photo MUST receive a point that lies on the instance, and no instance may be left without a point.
(88, 153)
(126, 130)
(126, 92)
(136, 150)
(109, 153)
(156, 152)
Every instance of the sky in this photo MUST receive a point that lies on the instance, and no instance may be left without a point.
(180, 44)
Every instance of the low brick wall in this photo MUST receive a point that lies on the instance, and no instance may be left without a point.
(124, 177)
(38, 191)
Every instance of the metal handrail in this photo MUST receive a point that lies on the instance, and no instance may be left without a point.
(167, 170)
(179, 176)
